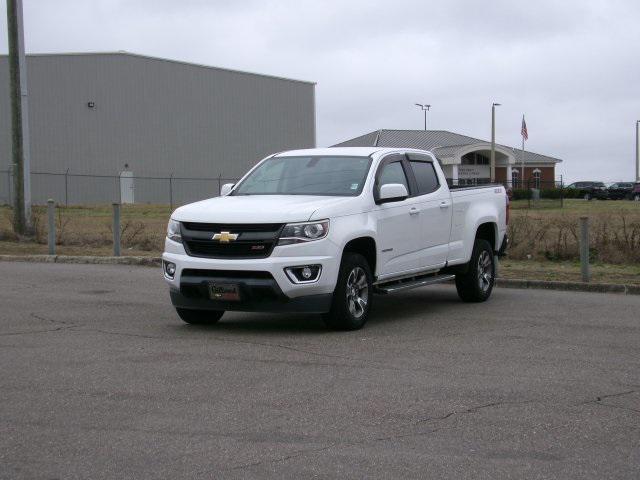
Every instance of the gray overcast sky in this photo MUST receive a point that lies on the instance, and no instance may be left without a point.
(573, 66)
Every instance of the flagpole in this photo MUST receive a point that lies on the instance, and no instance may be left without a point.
(522, 156)
(522, 161)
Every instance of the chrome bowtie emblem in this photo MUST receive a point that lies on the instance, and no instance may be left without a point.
(225, 237)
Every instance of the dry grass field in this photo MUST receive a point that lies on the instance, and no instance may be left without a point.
(544, 241)
(552, 233)
(88, 230)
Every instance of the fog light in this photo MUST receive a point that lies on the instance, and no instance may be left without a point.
(304, 273)
(169, 269)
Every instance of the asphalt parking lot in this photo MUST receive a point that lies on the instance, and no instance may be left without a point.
(100, 379)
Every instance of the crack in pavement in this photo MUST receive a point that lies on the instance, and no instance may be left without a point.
(30, 332)
(469, 410)
(285, 347)
(63, 326)
(50, 320)
(300, 453)
(602, 397)
(106, 332)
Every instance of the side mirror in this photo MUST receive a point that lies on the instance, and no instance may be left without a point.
(226, 188)
(392, 192)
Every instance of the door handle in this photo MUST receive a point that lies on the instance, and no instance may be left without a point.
(414, 211)
(444, 204)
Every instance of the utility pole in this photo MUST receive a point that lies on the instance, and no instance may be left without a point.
(493, 141)
(637, 150)
(425, 108)
(19, 119)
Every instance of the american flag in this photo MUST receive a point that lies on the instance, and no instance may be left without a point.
(523, 130)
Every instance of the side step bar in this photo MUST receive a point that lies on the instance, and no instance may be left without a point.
(411, 282)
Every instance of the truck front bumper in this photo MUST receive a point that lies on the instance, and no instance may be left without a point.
(262, 284)
(253, 303)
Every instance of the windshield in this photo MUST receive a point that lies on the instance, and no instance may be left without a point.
(310, 175)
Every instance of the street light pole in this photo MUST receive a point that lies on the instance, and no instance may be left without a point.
(425, 108)
(19, 118)
(637, 150)
(493, 141)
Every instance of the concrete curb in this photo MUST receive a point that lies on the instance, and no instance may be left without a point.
(140, 261)
(500, 282)
(569, 286)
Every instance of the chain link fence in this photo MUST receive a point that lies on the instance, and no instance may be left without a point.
(78, 189)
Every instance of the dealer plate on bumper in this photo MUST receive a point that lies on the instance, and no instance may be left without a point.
(224, 291)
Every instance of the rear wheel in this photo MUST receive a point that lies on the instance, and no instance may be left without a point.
(476, 284)
(199, 317)
(352, 296)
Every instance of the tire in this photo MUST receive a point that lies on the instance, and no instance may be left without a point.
(636, 197)
(199, 317)
(352, 297)
(476, 284)
(587, 196)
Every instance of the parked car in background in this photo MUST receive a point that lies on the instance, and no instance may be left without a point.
(620, 190)
(589, 190)
(634, 194)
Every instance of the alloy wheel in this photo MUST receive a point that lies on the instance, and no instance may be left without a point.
(485, 271)
(357, 292)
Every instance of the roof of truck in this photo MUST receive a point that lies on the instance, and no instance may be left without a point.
(340, 151)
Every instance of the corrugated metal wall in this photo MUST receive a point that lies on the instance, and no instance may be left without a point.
(160, 117)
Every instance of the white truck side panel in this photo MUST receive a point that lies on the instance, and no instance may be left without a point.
(472, 208)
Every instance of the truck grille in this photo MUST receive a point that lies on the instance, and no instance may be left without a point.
(253, 240)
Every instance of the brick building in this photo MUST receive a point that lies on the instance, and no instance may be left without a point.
(466, 160)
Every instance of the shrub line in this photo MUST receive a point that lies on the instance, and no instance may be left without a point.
(500, 282)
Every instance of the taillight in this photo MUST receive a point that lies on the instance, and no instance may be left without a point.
(507, 216)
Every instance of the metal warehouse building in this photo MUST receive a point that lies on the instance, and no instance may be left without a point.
(94, 116)
(465, 160)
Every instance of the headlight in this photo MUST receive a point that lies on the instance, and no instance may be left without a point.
(303, 232)
(173, 231)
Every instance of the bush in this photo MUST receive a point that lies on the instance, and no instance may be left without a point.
(552, 193)
(521, 194)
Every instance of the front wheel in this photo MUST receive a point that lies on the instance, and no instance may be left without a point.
(476, 284)
(352, 296)
(199, 317)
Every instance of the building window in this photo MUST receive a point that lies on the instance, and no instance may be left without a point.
(474, 158)
(536, 179)
(514, 179)
(481, 159)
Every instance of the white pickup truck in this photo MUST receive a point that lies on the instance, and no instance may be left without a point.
(322, 230)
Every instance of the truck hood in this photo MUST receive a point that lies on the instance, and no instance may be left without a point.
(263, 209)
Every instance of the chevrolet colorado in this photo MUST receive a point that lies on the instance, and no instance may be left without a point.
(322, 230)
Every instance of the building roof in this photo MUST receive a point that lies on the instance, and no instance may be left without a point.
(161, 59)
(440, 142)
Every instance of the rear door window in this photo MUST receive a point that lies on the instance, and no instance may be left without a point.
(426, 177)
